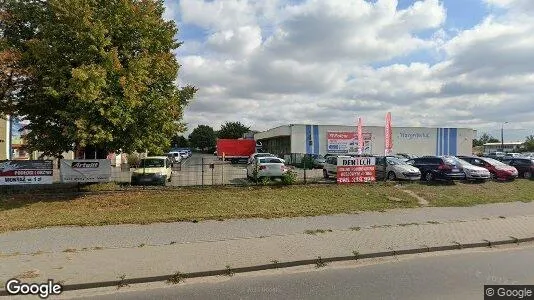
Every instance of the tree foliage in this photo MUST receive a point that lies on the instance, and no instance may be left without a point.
(179, 141)
(232, 130)
(485, 138)
(203, 137)
(92, 72)
(529, 143)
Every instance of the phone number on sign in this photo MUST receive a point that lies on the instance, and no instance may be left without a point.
(355, 179)
(22, 179)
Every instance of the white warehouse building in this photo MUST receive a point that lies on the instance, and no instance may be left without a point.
(322, 139)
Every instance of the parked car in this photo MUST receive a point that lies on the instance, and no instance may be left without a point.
(266, 167)
(497, 169)
(392, 168)
(405, 155)
(438, 168)
(317, 160)
(152, 170)
(474, 173)
(330, 166)
(260, 154)
(184, 153)
(495, 155)
(175, 157)
(524, 166)
(512, 155)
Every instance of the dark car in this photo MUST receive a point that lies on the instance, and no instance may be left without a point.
(497, 169)
(524, 166)
(438, 168)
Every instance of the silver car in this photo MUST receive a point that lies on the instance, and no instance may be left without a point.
(392, 168)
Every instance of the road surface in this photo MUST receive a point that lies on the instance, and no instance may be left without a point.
(451, 275)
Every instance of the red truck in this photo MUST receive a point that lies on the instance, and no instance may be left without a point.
(235, 150)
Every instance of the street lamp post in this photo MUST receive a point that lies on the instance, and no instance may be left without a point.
(502, 135)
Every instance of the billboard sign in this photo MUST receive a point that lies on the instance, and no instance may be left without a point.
(356, 169)
(85, 170)
(346, 142)
(15, 172)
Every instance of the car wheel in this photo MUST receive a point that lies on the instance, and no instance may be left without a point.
(392, 176)
(527, 175)
(325, 174)
(429, 176)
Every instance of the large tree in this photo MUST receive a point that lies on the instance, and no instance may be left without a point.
(485, 138)
(203, 137)
(179, 141)
(97, 72)
(232, 130)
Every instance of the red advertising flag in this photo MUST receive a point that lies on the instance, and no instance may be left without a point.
(388, 135)
(360, 136)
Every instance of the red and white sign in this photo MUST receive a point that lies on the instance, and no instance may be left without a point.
(388, 135)
(345, 142)
(15, 172)
(356, 169)
(360, 136)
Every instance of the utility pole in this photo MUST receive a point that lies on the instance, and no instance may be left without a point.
(502, 136)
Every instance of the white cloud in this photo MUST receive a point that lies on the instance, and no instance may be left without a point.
(239, 42)
(269, 63)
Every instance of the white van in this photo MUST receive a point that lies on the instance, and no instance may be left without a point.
(175, 157)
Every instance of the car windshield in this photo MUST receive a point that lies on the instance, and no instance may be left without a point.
(451, 160)
(395, 161)
(270, 160)
(152, 163)
(494, 161)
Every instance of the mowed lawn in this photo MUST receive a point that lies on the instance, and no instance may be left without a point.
(25, 211)
(193, 204)
(468, 194)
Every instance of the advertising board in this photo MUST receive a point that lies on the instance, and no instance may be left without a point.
(346, 142)
(85, 170)
(18, 172)
(356, 169)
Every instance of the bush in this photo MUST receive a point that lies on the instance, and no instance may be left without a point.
(289, 178)
(307, 162)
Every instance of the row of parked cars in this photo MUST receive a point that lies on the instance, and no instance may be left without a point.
(430, 168)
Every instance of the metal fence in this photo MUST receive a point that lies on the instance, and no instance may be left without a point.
(198, 170)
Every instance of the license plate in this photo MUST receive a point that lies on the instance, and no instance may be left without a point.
(145, 179)
(456, 170)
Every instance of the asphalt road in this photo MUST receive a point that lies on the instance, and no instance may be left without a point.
(451, 275)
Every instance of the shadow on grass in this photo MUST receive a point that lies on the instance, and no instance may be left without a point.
(12, 197)
(439, 183)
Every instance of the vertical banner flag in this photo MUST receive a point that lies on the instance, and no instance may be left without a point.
(388, 135)
(360, 136)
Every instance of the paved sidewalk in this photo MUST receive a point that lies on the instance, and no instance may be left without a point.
(58, 239)
(213, 257)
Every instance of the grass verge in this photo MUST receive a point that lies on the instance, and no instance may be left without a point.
(469, 194)
(24, 211)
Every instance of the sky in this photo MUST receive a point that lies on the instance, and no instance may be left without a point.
(443, 63)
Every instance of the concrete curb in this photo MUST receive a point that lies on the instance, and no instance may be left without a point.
(279, 265)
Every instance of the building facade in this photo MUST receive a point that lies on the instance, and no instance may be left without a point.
(4, 139)
(502, 147)
(323, 139)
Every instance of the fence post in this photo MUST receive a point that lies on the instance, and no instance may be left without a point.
(304, 164)
(202, 166)
(212, 175)
(222, 174)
